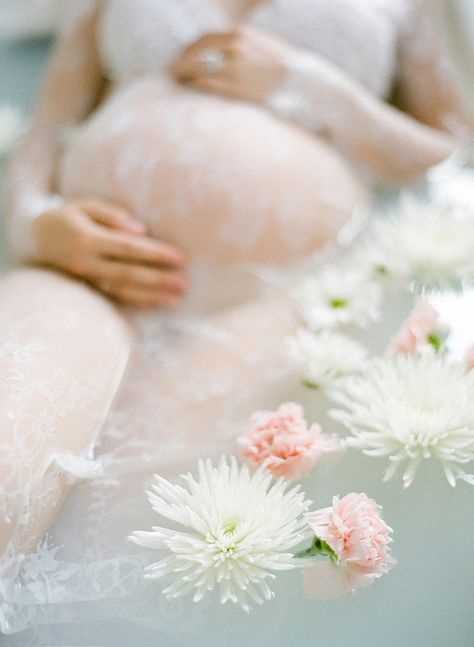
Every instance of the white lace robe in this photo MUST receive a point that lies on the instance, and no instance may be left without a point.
(85, 569)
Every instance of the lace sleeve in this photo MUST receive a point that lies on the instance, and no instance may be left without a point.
(426, 81)
(69, 91)
(321, 98)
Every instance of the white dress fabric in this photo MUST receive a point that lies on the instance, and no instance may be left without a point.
(85, 570)
(358, 36)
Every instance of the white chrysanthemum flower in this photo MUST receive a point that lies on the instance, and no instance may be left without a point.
(11, 128)
(338, 296)
(238, 529)
(428, 244)
(410, 408)
(323, 358)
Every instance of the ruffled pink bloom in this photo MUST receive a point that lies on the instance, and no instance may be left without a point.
(360, 539)
(283, 442)
(414, 332)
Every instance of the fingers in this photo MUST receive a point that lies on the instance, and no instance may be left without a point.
(135, 286)
(141, 299)
(114, 245)
(139, 286)
(112, 215)
(217, 40)
(140, 277)
(190, 64)
(221, 86)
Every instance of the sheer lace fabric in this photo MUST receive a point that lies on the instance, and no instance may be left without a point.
(217, 207)
(360, 37)
(188, 390)
(47, 389)
(351, 50)
(193, 376)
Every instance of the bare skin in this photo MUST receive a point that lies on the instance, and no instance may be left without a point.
(99, 241)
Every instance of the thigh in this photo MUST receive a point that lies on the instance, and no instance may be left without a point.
(193, 394)
(63, 351)
(61, 342)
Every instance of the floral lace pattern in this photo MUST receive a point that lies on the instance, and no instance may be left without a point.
(44, 391)
(360, 28)
(183, 397)
(189, 386)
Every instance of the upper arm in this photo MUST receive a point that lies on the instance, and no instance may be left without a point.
(426, 87)
(70, 90)
(73, 79)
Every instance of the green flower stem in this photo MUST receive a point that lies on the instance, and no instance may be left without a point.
(310, 385)
(436, 341)
(318, 548)
(338, 303)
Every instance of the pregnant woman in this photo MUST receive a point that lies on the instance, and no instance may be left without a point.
(185, 157)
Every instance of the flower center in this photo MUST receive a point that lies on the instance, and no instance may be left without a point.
(338, 303)
(224, 541)
(230, 528)
(225, 547)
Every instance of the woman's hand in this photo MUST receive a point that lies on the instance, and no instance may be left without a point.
(243, 64)
(104, 244)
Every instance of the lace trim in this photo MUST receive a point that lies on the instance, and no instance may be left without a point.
(77, 467)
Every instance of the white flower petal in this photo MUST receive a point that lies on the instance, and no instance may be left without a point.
(411, 408)
(237, 532)
(428, 244)
(321, 359)
(338, 296)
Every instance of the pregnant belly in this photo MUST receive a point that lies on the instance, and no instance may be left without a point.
(226, 181)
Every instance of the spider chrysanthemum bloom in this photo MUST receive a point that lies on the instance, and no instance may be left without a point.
(323, 358)
(430, 245)
(338, 296)
(410, 408)
(237, 530)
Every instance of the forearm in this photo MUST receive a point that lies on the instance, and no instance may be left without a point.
(69, 91)
(393, 144)
(322, 99)
(30, 189)
(427, 87)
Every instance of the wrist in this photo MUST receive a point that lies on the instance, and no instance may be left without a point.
(310, 92)
(23, 242)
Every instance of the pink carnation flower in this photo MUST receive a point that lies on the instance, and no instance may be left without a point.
(413, 334)
(470, 358)
(283, 442)
(360, 539)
